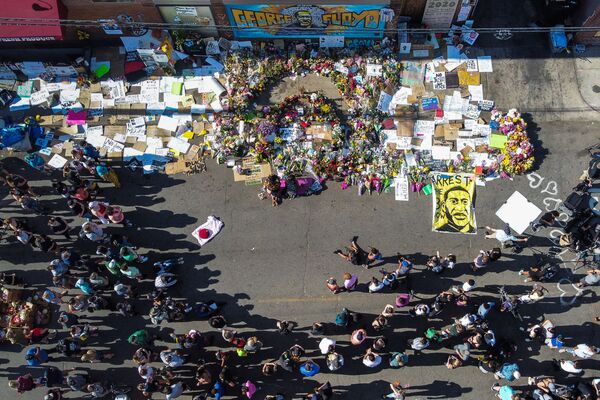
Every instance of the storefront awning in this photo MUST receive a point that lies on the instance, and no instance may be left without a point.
(34, 20)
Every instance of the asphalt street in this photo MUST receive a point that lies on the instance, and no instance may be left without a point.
(271, 263)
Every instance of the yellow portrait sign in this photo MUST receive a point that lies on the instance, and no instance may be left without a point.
(454, 207)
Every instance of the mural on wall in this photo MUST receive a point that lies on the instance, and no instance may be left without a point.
(308, 21)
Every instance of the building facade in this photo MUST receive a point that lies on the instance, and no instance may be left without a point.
(234, 19)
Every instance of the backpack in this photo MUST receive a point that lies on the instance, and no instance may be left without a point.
(341, 319)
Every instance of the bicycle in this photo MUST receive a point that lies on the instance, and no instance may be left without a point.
(509, 303)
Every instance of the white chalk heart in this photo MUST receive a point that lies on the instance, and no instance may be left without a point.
(551, 188)
(551, 203)
(534, 180)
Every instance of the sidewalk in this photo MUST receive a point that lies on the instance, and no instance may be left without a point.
(549, 87)
(587, 69)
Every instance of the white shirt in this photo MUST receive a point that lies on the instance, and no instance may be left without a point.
(325, 344)
(569, 366)
(583, 351)
(145, 371)
(373, 363)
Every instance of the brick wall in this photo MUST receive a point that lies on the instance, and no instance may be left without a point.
(88, 9)
(140, 10)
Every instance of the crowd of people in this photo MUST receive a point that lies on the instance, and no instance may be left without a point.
(109, 279)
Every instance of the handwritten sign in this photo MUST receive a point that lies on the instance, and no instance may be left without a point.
(374, 70)
(439, 81)
(424, 128)
(429, 103)
(383, 104)
(472, 65)
(401, 188)
(331, 41)
(485, 105)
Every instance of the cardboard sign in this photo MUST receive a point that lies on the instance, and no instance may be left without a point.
(57, 161)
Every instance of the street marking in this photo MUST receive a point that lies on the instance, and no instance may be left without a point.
(563, 292)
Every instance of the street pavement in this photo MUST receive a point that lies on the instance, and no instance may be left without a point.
(271, 263)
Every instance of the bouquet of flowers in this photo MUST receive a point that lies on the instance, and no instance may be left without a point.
(517, 155)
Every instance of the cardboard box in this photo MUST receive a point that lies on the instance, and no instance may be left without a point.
(405, 128)
(176, 167)
(123, 111)
(68, 129)
(405, 112)
(95, 88)
(192, 152)
(112, 130)
(320, 133)
(85, 97)
(259, 171)
(140, 146)
(450, 131)
(439, 132)
(465, 152)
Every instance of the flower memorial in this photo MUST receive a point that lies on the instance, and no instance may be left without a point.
(517, 155)
(307, 134)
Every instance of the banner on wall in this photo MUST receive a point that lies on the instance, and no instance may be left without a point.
(308, 21)
(454, 203)
(440, 13)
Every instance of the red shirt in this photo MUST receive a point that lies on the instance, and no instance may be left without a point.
(25, 383)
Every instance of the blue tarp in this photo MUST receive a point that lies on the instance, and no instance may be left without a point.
(10, 136)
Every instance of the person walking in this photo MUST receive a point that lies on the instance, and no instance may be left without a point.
(59, 227)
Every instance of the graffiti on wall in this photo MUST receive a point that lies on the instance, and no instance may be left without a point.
(308, 21)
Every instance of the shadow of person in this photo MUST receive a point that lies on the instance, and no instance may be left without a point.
(439, 390)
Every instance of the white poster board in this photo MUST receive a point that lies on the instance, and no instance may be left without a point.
(401, 187)
(331, 41)
(518, 212)
(440, 14)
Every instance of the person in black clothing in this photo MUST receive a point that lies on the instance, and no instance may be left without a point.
(67, 319)
(545, 221)
(45, 244)
(354, 254)
(323, 392)
(61, 189)
(59, 227)
(79, 209)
